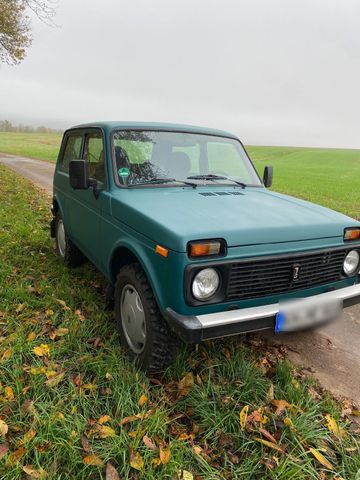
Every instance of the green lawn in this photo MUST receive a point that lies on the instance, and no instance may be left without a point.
(329, 177)
(71, 403)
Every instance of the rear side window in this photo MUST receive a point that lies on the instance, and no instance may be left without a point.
(72, 150)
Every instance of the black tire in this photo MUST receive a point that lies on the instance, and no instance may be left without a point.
(161, 344)
(68, 251)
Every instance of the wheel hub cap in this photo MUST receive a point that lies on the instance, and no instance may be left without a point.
(61, 239)
(133, 318)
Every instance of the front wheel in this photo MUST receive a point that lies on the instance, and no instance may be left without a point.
(143, 331)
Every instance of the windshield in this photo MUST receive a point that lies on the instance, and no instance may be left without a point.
(158, 157)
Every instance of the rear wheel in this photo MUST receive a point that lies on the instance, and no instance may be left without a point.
(66, 249)
(143, 330)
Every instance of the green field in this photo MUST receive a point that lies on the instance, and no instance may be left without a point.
(71, 403)
(329, 177)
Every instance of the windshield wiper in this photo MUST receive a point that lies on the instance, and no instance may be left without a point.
(213, 177)
(155, 181)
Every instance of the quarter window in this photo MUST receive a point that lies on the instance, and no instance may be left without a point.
(72, 150)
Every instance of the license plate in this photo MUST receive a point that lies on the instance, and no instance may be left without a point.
(306, 313)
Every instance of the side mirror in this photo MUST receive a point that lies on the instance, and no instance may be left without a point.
(79, 174)
(268, 176)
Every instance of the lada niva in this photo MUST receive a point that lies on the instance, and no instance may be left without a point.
(191, 240)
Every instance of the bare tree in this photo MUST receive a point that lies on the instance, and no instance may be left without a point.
(15, 33)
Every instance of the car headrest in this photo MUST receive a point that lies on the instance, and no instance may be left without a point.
(179, 165)
(121, 157)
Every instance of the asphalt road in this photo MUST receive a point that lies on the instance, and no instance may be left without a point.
(331, 354)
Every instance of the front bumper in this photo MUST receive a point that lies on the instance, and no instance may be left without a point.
(194, 329)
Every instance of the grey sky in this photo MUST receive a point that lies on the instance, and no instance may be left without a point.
(275, 72)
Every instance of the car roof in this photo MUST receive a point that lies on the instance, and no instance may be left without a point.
(174, 127)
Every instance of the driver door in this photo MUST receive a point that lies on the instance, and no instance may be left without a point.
(86, 205)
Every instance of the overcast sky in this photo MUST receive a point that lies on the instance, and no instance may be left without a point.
(276, 72)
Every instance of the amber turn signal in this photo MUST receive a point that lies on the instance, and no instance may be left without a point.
(352, 234)
(161, 251)
(204, 249)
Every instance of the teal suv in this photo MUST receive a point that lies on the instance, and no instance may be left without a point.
(191, 240)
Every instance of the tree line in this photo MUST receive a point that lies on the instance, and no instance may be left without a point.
(6, 126)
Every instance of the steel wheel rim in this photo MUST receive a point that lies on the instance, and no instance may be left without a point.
(61, 238)
(133, 318)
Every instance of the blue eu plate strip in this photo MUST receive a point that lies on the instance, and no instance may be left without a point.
(279, 322)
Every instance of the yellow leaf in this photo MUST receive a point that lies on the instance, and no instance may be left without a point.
(185, 384)
(156, 462)
(243, 416)
(289, 423)
(143, 400)
(20, 307)
(15, 456)
(3, 428)
(320, 458)
(29, 435)
(33, 473)
(270, 444)
(136, 460)
(356, 413)
(63, 304)
(37, 370)
(133, 433)
(50, 373)
(55, 380)
(104, 419)
(49, 312)
(165, 455)
(6, 355)
(31, 336)
(9, 393)
(281, 405)
(105, 431)
(185, 475)
(42, 350)
(334, 427)
(59, 332)
(93, 460)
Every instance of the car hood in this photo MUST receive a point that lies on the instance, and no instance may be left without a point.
(174, 216)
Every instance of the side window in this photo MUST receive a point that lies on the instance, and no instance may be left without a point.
(94, 155)
(72, 151)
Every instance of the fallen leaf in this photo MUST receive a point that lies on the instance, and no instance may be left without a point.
(267, 435)
(272, 445)
(281, 405)
(3, 428)
(85, 443)
(243, 416)
(42, 350)
(105, 431)
(165, 455)
(28, 436)
(20, 308)
(149, 443)
(185, 475)
(136, 460)
(93, 460)
(63, 304)
(9, 393)
(111, 472)
(6, 355)
(129, 419)
(143, 400)
(59, 332)
(55, 380)
(4, 447)
(28, 407)
(270, 394)
(31, 337)
(334, 427)
(185, 384)
(320, 458)
(104, 419)
(33, 473)
(15, 456)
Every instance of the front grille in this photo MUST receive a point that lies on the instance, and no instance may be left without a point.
(271, 276)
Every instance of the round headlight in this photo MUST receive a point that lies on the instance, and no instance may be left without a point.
(205, 284)
(351, 262)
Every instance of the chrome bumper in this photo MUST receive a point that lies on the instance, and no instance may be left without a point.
(194, 329)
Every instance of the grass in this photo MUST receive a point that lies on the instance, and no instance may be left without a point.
(67, 387)
(42, 146)
(329, 177)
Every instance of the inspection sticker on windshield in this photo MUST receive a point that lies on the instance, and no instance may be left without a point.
(306, 313)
